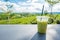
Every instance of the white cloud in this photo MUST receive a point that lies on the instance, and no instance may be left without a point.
(34, 1)
(28, 6)
(56, 7)
(32, 6)
(3, 6)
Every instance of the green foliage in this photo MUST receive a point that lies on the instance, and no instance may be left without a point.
(58, 21)
(3, 22)
(25, 20)
(3, 16)
(21, 18)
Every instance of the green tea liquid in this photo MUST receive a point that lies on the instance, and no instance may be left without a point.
(42, 26)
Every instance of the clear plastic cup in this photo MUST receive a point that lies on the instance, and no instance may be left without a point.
(42, 22)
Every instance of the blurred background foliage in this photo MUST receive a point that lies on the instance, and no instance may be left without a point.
(27, 18)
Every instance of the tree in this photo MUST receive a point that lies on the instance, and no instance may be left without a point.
(8, 10)
(52, 2)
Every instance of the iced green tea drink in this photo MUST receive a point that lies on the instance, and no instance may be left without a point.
(42, 23)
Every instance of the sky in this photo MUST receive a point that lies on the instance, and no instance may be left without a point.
(27, 6)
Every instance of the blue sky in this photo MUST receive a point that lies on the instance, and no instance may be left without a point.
(16, 1)
(27, 5)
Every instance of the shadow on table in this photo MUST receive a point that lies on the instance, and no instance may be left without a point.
(39, 36)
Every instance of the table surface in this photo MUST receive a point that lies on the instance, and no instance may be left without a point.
(28, 32)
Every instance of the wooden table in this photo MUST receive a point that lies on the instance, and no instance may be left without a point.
(28, 32)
